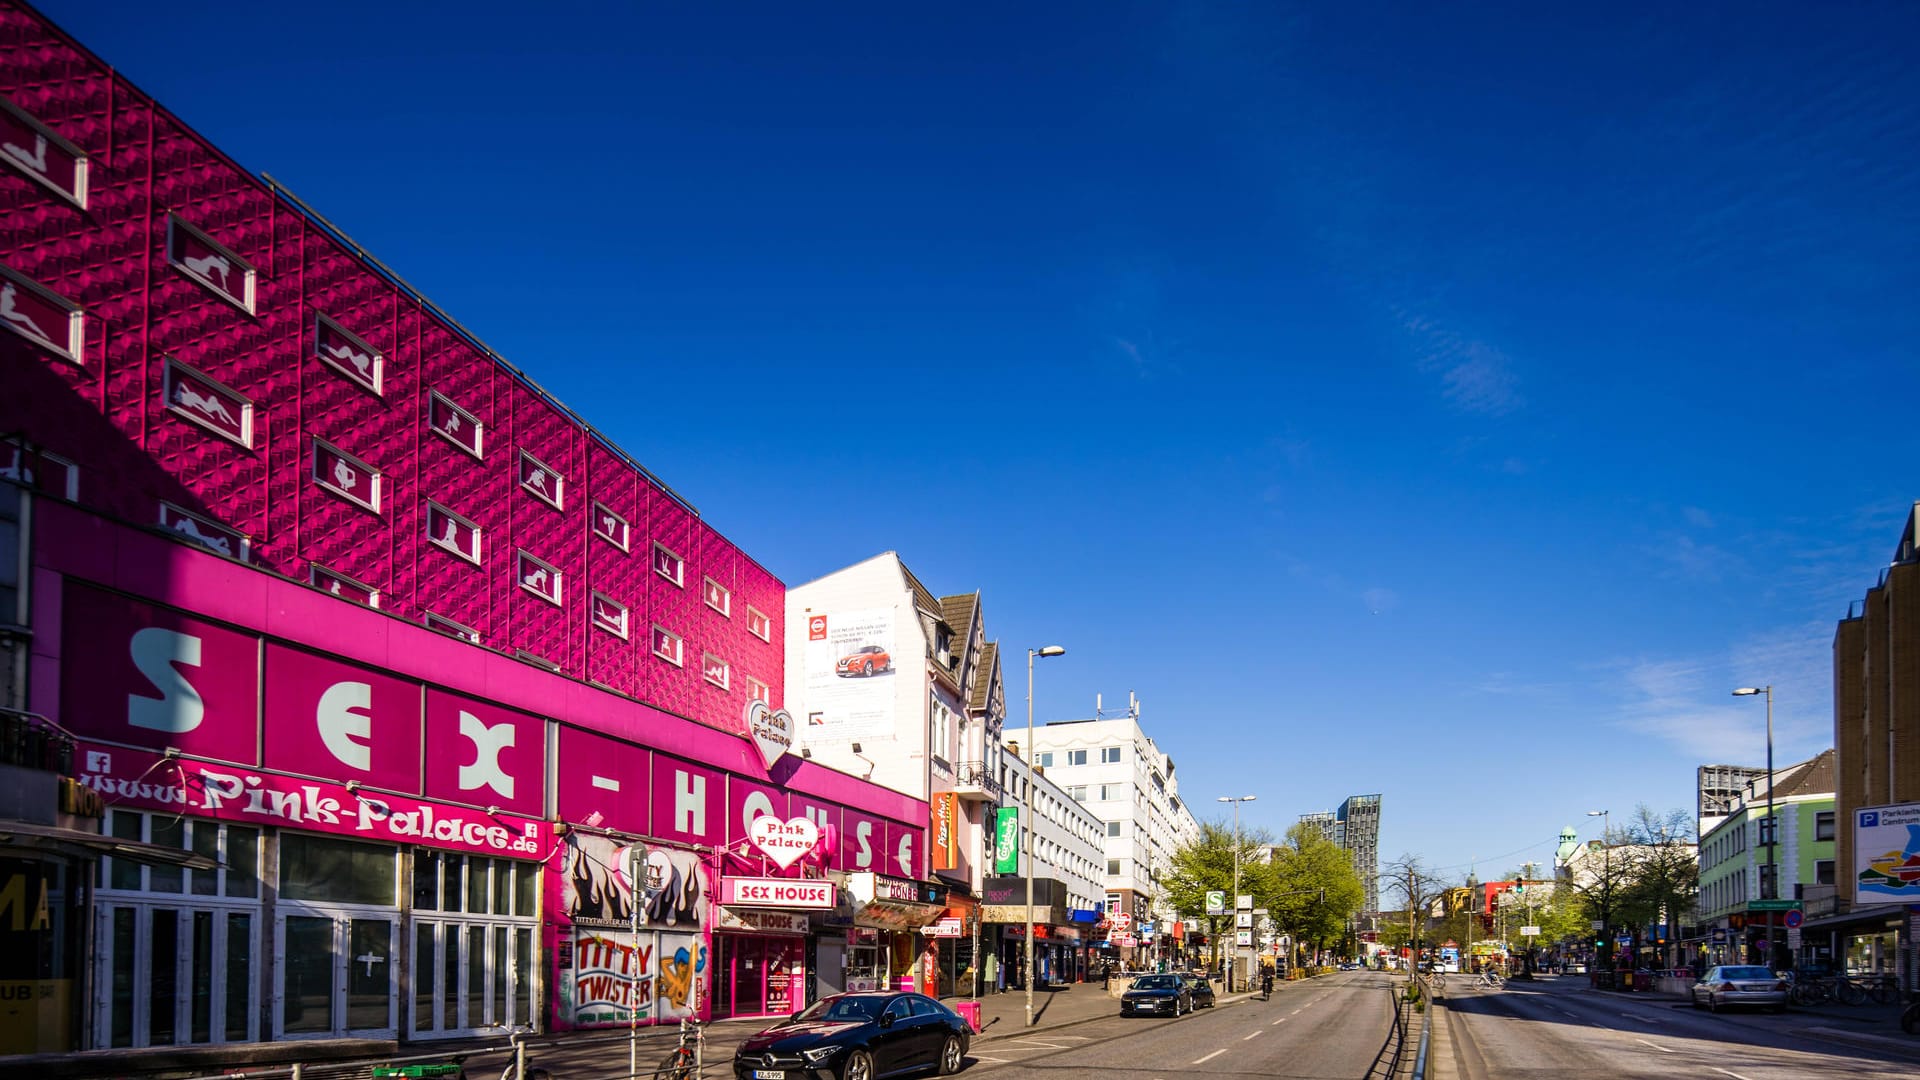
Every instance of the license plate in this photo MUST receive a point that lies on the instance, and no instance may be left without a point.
(769, 1074)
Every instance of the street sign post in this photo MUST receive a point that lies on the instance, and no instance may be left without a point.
(1773, 905)
(1217, 902)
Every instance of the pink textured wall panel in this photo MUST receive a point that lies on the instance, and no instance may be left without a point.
(110, 412)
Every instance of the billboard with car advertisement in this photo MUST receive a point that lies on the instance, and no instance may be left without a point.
(850, 667)
(1886, 853)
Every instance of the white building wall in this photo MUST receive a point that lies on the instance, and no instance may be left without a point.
(1067, 836)
(897, 758)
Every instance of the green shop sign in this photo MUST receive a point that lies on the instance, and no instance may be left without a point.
(1006, 841)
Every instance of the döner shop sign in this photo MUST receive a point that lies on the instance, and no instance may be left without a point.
(776, 893)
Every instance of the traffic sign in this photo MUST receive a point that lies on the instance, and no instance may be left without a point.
(1773, 905)
(1794, 919)
(1530, 931)
(1217, 902)
(1243, 937)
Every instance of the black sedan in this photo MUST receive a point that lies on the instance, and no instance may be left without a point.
(1200, 989)
(857, 1037)
(1157, 995)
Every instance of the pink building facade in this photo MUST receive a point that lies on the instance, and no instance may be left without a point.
(425, 669)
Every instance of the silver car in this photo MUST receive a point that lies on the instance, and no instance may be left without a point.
(1740, 985)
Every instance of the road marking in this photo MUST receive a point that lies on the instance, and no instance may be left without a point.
(1642, 1019)
(1211, 1056)
(1278, 1022)
(1662, 1049)
(1296, 1012)
(995, 1060)
(1250, 1034)
(1735, 1075)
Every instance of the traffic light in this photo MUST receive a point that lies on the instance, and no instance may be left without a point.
(1519, 885)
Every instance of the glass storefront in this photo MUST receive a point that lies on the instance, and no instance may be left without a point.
(473, 924)
(177, 949)
(758, 975)
(39, 954)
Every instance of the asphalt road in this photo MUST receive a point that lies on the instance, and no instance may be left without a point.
(1559, 1028)
(1328, 1029)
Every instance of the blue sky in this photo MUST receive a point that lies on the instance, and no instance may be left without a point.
(1449, 406)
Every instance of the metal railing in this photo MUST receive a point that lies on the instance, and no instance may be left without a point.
(976, 774)
(520, 1064)
(1421, 1058)
(31, 741)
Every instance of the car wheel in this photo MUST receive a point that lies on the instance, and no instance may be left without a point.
(859, 1066)
(950, 1055)
(866, 670)
(1695, 998)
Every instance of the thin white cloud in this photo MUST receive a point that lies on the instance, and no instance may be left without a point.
(1475, 376)
(1688, 702)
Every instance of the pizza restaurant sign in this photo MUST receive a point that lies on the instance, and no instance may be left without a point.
(135, 778)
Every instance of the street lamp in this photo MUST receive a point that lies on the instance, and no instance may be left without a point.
(1772, 889)
(1234, 954)
(1048, 650)
(1606, 894)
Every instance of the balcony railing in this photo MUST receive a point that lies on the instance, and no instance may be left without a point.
(31, 742)
(976, 776)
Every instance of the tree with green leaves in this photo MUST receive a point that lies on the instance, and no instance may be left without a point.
(1206, 865)
(1315, 889)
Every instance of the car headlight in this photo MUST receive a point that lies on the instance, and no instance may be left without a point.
(819, 1054)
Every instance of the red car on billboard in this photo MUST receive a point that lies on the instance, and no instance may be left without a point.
(864, 661)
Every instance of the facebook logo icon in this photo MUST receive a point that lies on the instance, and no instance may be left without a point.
(1869, 818)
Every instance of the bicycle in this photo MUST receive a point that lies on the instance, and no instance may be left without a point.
(680, 1063)
(1493, 980)
(1879, 989)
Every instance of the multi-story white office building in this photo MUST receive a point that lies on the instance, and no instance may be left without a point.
(1113, 768)
(1068, 850)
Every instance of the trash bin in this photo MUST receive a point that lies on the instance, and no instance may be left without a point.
(970, 1012)
(450, 1070)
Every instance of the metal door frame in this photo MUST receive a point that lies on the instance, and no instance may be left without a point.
(342, 916)
(144, 906)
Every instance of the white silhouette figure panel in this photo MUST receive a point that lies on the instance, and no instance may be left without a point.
(360, 361)
(208, 265)
(37, 160)
(207, 405)
(10, 311)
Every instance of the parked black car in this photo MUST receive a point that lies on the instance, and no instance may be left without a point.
(1200, 989)
(857, 1037)
(1157, 995)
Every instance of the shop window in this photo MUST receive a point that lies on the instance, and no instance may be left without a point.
(202, 258)
(758, 624)
(716, 671)
(203, 531)
(237, 847)
(452, 629)
(541, 481)
(668, 646)
(610, 615)
(456, 425)
(349, 354)
(42, 316)
(1823, 825)
(200, 400)
(320, 868)
(450, 531)
(345, 475)
(337, 584)
(611, 527)
(669, 565)
(41, 155)
(539, 577)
